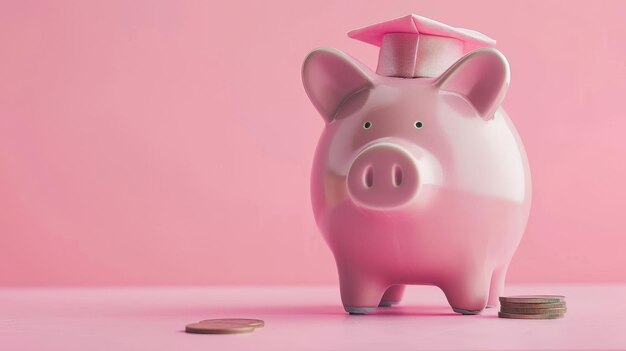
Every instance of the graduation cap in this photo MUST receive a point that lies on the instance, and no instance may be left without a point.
(415, 46)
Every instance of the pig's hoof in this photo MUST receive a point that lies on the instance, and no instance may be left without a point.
(466, 312)
(388, 303)
(359, 310)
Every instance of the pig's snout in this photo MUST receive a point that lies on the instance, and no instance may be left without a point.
(383, 176)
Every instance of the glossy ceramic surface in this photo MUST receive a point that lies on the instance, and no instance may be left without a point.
(417, 181)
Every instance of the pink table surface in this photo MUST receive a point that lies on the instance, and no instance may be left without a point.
(297, 318)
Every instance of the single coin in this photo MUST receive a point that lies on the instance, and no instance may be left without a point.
(218, 327)
(531, 316)
(533, 298)
(532, 310)
(257, 323)
(532, 305)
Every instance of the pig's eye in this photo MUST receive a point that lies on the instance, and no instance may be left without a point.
(418, 124)
(367, 125)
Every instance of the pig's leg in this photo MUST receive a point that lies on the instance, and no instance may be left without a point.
(468, 293)
(360, 293)
(392, 296)
(497, 286)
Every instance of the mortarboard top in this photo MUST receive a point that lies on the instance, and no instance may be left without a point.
(416, 46)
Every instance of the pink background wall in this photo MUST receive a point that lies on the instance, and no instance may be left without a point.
(169, 142)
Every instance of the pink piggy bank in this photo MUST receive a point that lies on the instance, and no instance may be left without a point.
(419, 176)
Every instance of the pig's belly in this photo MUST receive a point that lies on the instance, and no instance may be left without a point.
(445, 231)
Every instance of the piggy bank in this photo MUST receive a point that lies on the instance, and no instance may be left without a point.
(419, 176)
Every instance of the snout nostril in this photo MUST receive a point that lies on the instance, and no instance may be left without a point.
(368, 177)
(397, 175)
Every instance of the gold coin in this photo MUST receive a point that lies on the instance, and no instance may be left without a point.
(532, 299)
(257, 323)
(218, 327)
(522, 310)
(533, 305)
(531, 316)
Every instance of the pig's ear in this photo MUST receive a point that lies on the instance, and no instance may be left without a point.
(481, 77)
(330, 77)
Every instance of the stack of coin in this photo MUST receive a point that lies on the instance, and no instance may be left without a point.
(532, 307)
